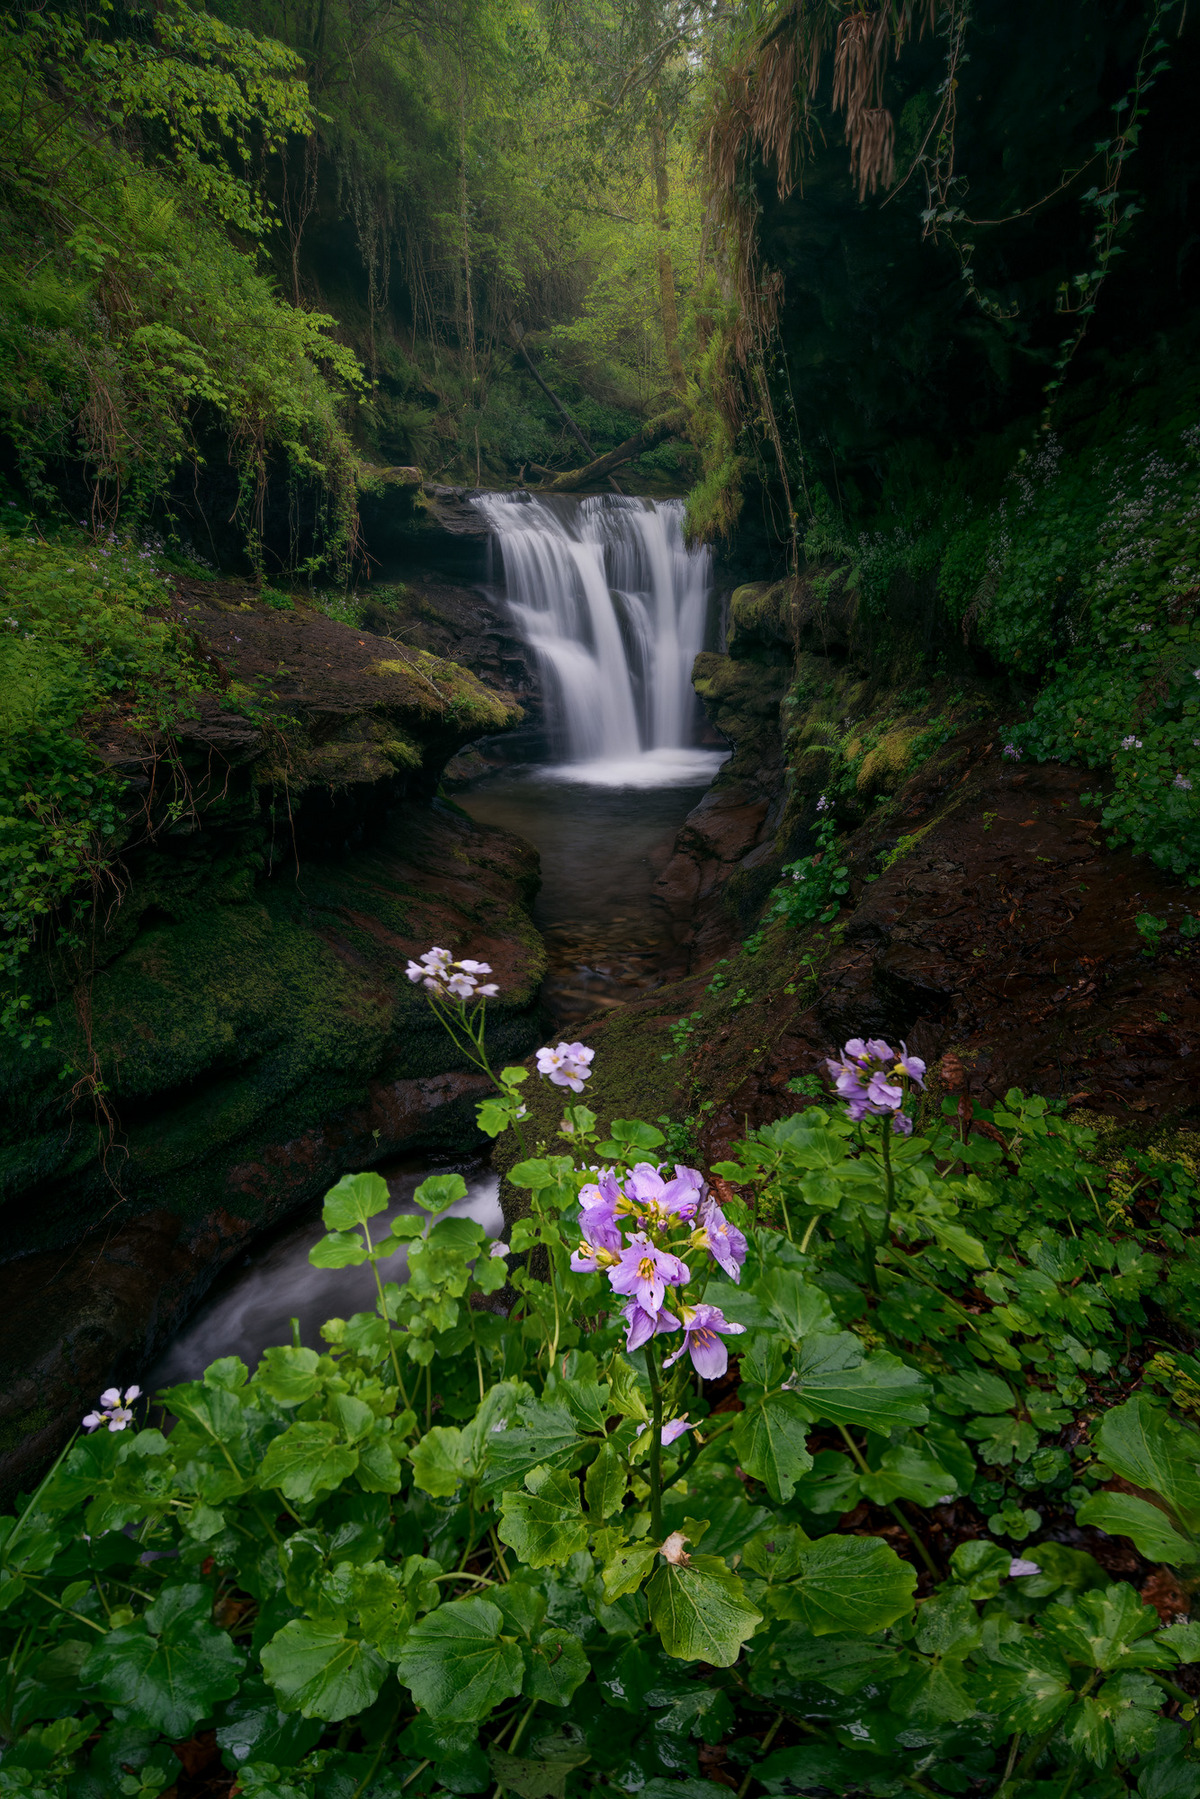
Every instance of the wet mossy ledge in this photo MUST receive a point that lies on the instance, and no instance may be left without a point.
(236, 1030)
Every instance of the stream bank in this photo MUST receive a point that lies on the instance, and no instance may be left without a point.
(239, 1031)
(985, 922)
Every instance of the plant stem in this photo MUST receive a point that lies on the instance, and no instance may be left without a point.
(893, 1508)
(382, 1308)
(763, 1748)
(812, 1225)
(655, 1459)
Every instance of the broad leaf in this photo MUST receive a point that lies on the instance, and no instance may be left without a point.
(770, 1438)
(169, 1668)
(850, 1584)
(555, 1666)
(604, 1483)
(701, 1611)
(317, 1668)
(545, 1524)
(1122, 1515)
(356, 1198)
(1151, 1450)
(627, 1569)
(439, 1461)
(289, 1375)
(545, 1434)
(457, 1664)
(877, 1394)
(306, 1460)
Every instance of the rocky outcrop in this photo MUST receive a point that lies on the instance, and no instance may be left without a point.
(238, 1030)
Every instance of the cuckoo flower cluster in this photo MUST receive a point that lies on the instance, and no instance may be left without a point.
(637, 1231)
(114, 1411)
(440, 975)
(870, 1077)
(568, 1065)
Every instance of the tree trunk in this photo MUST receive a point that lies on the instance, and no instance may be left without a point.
(667, 424)
(666, 269)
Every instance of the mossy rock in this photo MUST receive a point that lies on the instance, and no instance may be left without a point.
(886, 764)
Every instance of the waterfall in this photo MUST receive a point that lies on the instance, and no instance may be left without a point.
(613, 601)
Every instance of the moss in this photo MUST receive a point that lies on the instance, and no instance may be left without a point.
(884, 767)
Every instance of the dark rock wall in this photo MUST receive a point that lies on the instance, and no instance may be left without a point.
(239, 1030)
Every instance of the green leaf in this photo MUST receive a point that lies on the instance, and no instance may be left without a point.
(633, 1134)
(877, 1394)
(1027, 1683)
(627, 1569)
(1003, 1438)
(605, 1482)
(800, 1308)
(306, 1460)
(344, 1249)
(546, 1434)
(555, 1666)
(975, 1392)
(289, 1375)
(439, 1461)
(850, 1584)
(808, 1765)
(1141, 1442)
(1122, 1515)
(316, 1668)
(356, 1198)
(494, 1115)
(437, 1191)
(1183, 1639)
(456, 1663)
(544, 1525)
(770, 1438)
(701, 1611)
(908, 1471)
(169, 1668)
(530, 1779)
(1104, 1630)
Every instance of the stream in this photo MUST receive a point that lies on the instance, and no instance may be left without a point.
(616, 607)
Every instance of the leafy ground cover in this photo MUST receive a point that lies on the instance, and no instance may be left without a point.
(528, 1526)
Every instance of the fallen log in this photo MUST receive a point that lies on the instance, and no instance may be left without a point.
(667, 424)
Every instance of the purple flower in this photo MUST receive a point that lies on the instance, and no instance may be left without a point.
(670, 1432)
(567, 1065)
(912, 1066)
(643, 1325)
(703, 1328)
(883, 1094)
(647, 1271)
(901, 1125)
(723, 1241)
(670, 1200)
(1182, 782)
(113, 1410)
(601, 1236)
(1012, 752)
(1131, 743)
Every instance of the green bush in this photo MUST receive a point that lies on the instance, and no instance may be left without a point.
(452, 1550)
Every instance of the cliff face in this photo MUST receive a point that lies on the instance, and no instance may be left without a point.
(239, 1030)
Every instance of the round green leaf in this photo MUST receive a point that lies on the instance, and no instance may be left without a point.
(701, 1611)
(851, 1584)
(457, 1664)
(316, 1669)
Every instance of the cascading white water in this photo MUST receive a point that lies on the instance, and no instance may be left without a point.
(614, 603)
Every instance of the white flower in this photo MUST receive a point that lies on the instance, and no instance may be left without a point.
(113, 1410)
(823, 804)
(440, 975)
(1184, 785)
(1019, 1566)
(1131, 743)
(499, 1250)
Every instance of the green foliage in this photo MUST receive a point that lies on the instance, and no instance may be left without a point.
(84, 632)
(815, 885)
(943, 1341)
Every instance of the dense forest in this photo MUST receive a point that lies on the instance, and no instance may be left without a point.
(825, 1419)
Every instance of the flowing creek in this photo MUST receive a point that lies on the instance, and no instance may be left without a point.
(616, 608)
